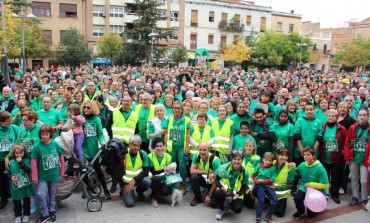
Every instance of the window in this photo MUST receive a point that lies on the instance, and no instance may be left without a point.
(194, 18)
(116, 29)
(98, 11)
(169, 52)
(62, 33)
(174, 16)
(98, 31)
(263, 24)
(193, 41)
(211, 17)
(210, 38)
(314, 47)
(48, 35)
(116, 11)
(162, 12)
(42, 9)
(249, 20)
(67, 10)
(175, 1)
(224, 17)
(37, 64)
(291, 27)
(324, 49)
(175, 35)
(359, 35)
(223, 40)
(237, 18)
(236, 38)
(279, 26)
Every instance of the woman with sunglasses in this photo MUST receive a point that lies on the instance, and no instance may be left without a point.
(93, 133)
(230, 195)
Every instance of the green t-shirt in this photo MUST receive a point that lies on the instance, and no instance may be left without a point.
(212, 113)
(48, 163)
(282, 135)
(330, 142)
(36, 104)
(29, 137)
(201, 131)
(93, 133)
(239, 142)
(216, 163)
(309, 130)
(22, 188)
(265, 173)
(168, 111)
(16, 121)
(178, 130)
(142, 122)
(64, 112)
(237, 120)
(314, 173)
(263, 145)
(8, 137)
(321, 115)
(51, 117)
(145, 158)
(360, 145)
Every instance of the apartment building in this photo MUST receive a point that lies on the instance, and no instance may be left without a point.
(56, 17)
(321, 40)
(105, 16)
(286, 22)
(214, 24)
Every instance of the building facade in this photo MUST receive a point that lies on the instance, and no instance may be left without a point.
(56, 17)
(214, 24)
(286, 22)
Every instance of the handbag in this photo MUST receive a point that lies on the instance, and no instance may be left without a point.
(170, 179)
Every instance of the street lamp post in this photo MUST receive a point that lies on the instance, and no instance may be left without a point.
(300, 55)
(153, 35)
(5, 51)
(22, 16)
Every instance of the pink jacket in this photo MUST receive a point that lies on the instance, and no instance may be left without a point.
(79, 121)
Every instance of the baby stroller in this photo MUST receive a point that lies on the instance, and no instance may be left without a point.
(75, 172)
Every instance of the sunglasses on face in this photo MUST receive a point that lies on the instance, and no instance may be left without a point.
(86, 107)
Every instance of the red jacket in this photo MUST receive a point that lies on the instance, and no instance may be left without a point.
(351, 135)
(336, 157)
(367, 154)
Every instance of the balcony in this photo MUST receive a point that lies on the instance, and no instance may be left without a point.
(130, 17)
(194, 24)
(231, 26)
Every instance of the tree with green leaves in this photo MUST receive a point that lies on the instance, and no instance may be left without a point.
(109, 46)
(288, 47)
(73, 49)
(179, 55)
(356, 54)
(137, 40)
(275, 58)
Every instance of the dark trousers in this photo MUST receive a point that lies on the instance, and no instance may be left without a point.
(158, 187)
(334, 171)
(220, 197)
(297, 162)
(298, 200)
(145, 147)
(280, 207)
(196, 181)
(99, 174)
(4, 182)
(26, 207)
(249, 200)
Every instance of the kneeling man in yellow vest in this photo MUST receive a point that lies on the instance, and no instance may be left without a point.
(137, 170)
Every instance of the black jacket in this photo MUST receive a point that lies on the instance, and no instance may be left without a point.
(10, 106)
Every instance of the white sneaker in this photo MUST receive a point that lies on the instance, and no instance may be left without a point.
(220, 214)
(18, 220)
(341, 191)
(25, 219)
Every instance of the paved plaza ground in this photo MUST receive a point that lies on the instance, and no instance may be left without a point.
(74, 209)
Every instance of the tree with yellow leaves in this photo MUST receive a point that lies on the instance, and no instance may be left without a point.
(9, 29)
(237, 52)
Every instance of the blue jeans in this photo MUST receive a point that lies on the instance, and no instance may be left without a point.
(46, 192)
(143, 185)
(177, 155)
(262, 191)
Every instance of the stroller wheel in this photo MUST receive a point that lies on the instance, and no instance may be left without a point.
(94, 204)
(94, 190)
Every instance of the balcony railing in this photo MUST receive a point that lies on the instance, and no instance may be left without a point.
(231, 26)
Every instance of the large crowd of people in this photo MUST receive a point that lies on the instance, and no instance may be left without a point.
(238, 138)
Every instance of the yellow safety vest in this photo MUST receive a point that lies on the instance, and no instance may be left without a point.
(170, 126)
(206, 137)
(282, 178)
(88, 98)
(121, 128)
(238, 183)
(159, 166)
(132, 171)
(206, 167)
(249, 166)
(151, 112)
(222, 136)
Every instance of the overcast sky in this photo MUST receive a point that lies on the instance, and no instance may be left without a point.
(330, 13)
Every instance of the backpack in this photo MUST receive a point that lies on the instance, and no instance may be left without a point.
(210, 160)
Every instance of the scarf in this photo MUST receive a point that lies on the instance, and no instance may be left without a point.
(266, 126)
